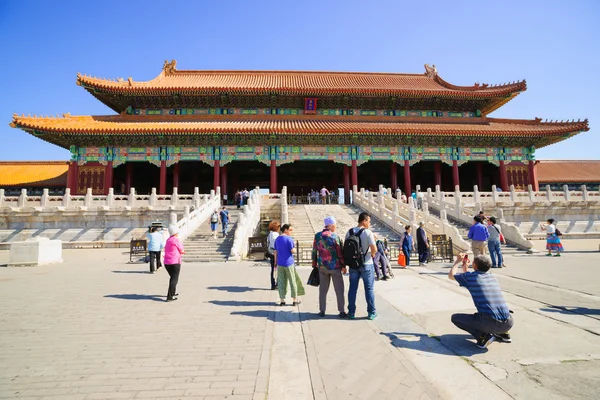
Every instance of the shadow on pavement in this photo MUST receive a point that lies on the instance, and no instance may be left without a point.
(235, 289)
(448, 345)
(137, 297)
(279, 315)
(131, 272)
(576, 310)
(241, 303)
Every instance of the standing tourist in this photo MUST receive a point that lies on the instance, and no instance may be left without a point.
(327, 256)
(173, 252)
(324, 195)
(156, 242)
(478, 234)
(214, 220)
(284, 259)
(492, 321)
(552, 238)
(407, 244)
(238, 199)
(273, 234)
(224, 216)
(495, 236)
(422, 244)
(246, 196)
(381, 260)
(359, 249)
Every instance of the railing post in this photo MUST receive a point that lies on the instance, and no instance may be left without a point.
(548, 193)
(584, 193)
(531, 193)
(172, 219)
(426, 208)
(494, 194)
(45, 198)
(212, 194)
(500, 215)
(218, 191)
(567, 193)
(110, 197)
(476, 193)
(66, 202)
(444, 219)
(438, 192)
(174, 197)
(22, 198)
(1, 197)
(513, 194)
(153, 198)
(88, 198)
(196, 198)
(131, 197)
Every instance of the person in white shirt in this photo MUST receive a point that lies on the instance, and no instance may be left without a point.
(552, 238)
(324, 194)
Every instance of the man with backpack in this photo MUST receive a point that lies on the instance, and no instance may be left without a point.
(224, 216)
(359, 250)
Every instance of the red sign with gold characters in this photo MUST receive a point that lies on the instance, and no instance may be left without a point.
(310, 105)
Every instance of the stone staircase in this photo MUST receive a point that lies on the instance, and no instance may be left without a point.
(202, 247)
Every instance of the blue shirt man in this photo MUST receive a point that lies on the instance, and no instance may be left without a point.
(224, 215)
(492, 321)
(478, 234)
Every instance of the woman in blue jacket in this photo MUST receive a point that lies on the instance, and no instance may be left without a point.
(407, 244)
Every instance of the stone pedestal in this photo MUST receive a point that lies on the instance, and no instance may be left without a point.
(34, 252)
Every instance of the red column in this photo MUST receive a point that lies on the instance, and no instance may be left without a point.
(217, 174)
(394, 176)
(354, 174)
(533, 181)
(455, 178)
(479, 175)
(108, 177)
(407, 184)
(162, 185)
(273, 176)
(224, 180)
(346, 184)
(437, 174)
(503, 177)
(128, 177)
(176, 176)
(72, 177)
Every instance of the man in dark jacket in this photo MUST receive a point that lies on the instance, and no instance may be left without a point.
(422, 244)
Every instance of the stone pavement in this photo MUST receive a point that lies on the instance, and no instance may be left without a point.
(96, 327)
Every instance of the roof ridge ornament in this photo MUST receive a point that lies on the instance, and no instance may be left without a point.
(169, 67)
(431, 71)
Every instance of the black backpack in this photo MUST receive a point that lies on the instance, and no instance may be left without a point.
(353, 256)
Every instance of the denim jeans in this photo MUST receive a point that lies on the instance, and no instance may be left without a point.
(367, 274)
(224, 226)
(495, 253)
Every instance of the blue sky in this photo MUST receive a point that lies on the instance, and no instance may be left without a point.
(552, 44)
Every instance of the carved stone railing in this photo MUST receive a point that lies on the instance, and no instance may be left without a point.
(91, 202)
(514, 197)
(248, 225)
(396, 215)
(192, 220)
(459, 212)
(284, 206)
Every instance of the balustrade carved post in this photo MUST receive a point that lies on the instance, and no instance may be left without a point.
(174, 197)
(438, 192)
(548, 193)
(513, 194)
(444, 219)
(500, 213)
(196, 198)
(88, 198)
(172, 219)
(418, 188)
(494, 194)
(457, 206)
(212, 194)
(1, 197)
(45, 198)
(131, 197)
(66, 201)
(567, 193)
(531, 193)
(412, 216)
(153, 198)
(584, 193)
(476, 192)
(428, 193)
(110, 197)
(395, 213)
(22, 198)
(426, 208)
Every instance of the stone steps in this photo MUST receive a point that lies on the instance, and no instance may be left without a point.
(202, 247)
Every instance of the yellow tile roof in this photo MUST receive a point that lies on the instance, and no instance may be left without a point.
(33, 173)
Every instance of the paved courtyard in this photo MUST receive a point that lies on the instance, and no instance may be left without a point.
(96, 327)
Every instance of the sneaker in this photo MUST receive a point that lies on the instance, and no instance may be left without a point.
(494, 266)
(281, 304)
(372, 316)
(549, 255)
(171, 299)
(485, 340)
(557, 255)
(351, 316)
(421, 264)
(321, 313)
(503, 338)
(342, 315)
